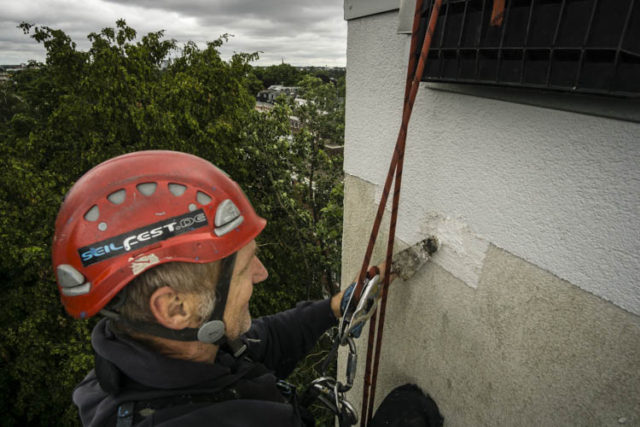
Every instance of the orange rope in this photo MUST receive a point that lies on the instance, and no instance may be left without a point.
(414, 75)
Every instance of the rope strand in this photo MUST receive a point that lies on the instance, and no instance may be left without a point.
(397, 162)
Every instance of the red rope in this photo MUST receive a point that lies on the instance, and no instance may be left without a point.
(414, 75)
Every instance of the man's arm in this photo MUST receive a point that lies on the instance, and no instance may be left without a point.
(285, 338)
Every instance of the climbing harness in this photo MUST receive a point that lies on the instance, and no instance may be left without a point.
(137, 402)
(367, 292)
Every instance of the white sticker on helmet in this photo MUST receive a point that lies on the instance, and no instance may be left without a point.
(138, 265)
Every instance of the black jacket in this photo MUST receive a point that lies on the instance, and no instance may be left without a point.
(278, 342)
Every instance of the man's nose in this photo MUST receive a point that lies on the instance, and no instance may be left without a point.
(260, 273)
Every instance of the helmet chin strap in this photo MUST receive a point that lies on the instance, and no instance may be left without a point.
(211, 332)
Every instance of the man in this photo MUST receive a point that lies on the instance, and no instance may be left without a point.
(163, 245)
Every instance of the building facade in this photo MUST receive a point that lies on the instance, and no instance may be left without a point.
(529, 314)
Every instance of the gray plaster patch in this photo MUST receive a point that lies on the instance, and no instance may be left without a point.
(408, 261)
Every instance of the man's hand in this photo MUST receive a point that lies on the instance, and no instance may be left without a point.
(335, 304)
(336, 300)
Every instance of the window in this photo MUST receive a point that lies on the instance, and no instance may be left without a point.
(583, 46)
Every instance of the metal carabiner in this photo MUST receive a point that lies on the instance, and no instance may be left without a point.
(346, 413)
(325, 387)
(328, 390)
(331, 396)
(365, 308)
(352, 365)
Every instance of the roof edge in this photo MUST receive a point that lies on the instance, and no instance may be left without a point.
(359, 8)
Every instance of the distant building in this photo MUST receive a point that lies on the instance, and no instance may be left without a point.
(263, 106)
(295, 123)
(334, 150)
(266, 99)
(267, 96)
(6, 71)
(274, 91)
(300, 102)
(287, 90)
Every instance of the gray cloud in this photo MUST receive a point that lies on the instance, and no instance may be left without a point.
(302, 32)
(299, 12)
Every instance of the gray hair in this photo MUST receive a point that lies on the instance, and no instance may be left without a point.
(182, 277)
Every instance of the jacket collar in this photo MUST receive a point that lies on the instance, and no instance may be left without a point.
(153, 369)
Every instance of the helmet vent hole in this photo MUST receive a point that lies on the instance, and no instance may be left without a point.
(92, 214)
(117, 197)
(202, 198)
(177, 189)
(147, 188)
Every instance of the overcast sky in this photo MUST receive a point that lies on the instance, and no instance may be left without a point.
(300, 32)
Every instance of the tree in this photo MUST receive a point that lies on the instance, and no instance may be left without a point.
(77, 109)
(281, 74)
(288, 75)
(319, 174)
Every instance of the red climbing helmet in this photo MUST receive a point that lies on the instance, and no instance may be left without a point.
(140, 210)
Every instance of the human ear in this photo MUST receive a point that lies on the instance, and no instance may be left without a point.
(168, 307)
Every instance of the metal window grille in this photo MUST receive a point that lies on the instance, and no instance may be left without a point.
(585, 46)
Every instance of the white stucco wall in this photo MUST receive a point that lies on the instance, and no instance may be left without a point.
(558, 189)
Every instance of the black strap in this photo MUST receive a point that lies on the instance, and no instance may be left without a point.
(134, 412)
(222, 288)
(301, 411)
(137, 402)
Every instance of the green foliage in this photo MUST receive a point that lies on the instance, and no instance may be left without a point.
(288, 75)
(322, 125)
(62, 117)
(282, 74)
